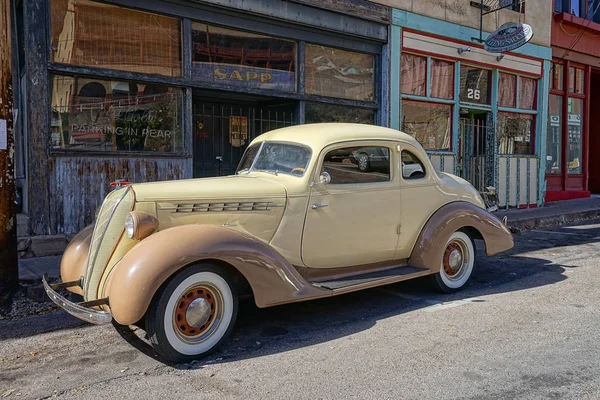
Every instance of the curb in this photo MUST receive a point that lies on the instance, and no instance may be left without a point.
(554, 220)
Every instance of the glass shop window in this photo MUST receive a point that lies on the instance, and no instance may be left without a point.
(413, 75)
(575, 136)
(242, 59)
(576, 80)
(554, 136)
(475, 85)
(93, 34)
(339, 73)
(362, 164)
(320, 112)
(100, 115)
(442, 79)
(515, 133)
(527, 93)
(507, 90)
(557, 74)
(429, 123)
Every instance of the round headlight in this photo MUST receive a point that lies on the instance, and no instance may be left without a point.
(130, 226)
(140, 225)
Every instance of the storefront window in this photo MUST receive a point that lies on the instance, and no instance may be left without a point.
(576, 80)
(241, 59)
(557, 76)
(101, 115)
(339, 73)
(442, 79)
(575, 136)
(320, 112)
(515, 133)
(554, 139)
(88, 33)
(527, 93)
(429, 123)
(507, 90)
(475, 85)
(413, 75)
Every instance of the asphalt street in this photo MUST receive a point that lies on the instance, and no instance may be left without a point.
(526, 327)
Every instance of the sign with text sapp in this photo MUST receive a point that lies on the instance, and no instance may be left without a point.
(245, 77)
(508, 37)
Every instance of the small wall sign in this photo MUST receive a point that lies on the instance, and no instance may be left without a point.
(508, 37)
(3, 135)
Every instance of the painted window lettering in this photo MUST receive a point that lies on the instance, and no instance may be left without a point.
(474, 94)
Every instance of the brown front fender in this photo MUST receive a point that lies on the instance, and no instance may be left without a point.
(140, 273)
(431, 243)
(74, 259)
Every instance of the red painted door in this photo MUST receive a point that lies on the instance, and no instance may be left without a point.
(594, 147)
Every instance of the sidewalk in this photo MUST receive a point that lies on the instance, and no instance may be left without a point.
(558, 213)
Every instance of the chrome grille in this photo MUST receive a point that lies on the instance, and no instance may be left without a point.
(220, 207)
(107, 231)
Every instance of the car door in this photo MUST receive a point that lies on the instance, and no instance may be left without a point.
(353, 219)
(420, 196)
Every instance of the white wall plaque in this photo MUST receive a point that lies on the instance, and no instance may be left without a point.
(3, 141)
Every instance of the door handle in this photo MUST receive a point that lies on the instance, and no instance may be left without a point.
(317, 206)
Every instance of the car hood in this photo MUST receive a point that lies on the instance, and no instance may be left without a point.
(221, 188)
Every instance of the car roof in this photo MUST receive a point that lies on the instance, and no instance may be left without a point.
(320, 135)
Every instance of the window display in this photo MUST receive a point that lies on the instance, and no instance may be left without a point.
(100, 115)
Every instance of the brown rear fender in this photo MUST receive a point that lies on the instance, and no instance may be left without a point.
(140, 273)
(431, 243)
(74, 259)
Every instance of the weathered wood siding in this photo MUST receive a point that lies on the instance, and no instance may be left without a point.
(79, 184)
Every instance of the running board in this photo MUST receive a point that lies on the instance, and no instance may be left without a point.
(371, 279)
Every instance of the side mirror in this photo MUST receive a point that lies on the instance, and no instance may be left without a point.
(324, 178)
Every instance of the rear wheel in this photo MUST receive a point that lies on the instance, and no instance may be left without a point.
(457, 263)
(193, 314)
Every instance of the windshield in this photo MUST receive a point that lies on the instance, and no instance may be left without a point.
(274, 157)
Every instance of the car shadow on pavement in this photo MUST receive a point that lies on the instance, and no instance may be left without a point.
(261, 332)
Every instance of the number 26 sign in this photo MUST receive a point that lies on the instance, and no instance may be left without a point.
(474, 94)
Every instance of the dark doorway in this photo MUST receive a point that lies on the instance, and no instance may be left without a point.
(594, 132)
(224, 125)
(472, 148)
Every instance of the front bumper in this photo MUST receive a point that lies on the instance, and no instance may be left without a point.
(83, 310)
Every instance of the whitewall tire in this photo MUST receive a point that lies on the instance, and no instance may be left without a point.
(457, 263)
(193, 314)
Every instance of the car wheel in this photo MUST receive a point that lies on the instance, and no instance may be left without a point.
(193, 314)
(363, 162)
(457, 263)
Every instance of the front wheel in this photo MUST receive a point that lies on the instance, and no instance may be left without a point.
(457, 263)
(193, 314)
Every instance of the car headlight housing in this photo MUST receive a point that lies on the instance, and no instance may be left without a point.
(139, 225)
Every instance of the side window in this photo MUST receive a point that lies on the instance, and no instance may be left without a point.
(412, 168)
(358, 165)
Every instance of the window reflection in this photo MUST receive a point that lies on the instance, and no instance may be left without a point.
(554, 139)
(575, 137)
(429, 123)
(339, 73)
(515, 133)
(94, 34)
(138, 118)
(366, 164)
(320, 112)
(242, 59)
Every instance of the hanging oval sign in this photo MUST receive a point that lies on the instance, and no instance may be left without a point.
(508, 37)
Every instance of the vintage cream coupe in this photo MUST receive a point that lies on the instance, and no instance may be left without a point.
(299, 220)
